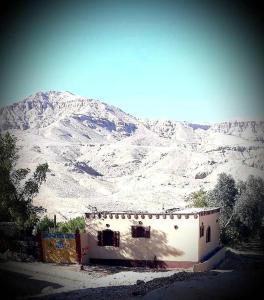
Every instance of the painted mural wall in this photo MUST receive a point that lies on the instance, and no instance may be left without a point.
(59, 248)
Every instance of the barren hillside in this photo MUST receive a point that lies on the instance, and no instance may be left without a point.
(101, 156)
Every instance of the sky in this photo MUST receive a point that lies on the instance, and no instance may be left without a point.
(154, 59)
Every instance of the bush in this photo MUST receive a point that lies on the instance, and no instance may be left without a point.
(198, 199)
(45, 224)
(70, 226)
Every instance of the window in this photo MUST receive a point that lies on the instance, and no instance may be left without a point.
(208, 234)
(108, 238)
(140, 231)
(202, 230)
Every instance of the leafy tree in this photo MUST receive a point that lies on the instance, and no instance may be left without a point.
(71, 225)
(198, 199)
(18, 187)
(249, 206)
(45, 224)
(224, 195)
(242, 207)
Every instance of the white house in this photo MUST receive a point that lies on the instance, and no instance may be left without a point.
(170, 240)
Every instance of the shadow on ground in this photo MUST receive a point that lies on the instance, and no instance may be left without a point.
(240, 276)
(16, 285)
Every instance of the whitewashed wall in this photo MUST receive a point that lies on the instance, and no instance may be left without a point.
(166, 242)
(212, 221)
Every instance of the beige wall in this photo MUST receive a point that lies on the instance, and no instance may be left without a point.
(166, 242)
(209, 220)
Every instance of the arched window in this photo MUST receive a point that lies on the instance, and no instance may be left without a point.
(202, 230)
(208, 234)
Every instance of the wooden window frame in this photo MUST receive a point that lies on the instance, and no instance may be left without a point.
(138, 231)
(202, 230)
(208, 234)
(101, 242)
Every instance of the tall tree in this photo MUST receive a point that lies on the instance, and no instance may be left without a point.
(18, 187)
(224, 196)
(249, 206)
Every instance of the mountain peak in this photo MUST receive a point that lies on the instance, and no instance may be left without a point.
(43, 109)
(100, 155)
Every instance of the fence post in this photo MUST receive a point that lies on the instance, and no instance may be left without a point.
(40, 246)
(78, 246)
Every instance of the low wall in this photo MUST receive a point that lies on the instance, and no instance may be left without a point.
(211, 262)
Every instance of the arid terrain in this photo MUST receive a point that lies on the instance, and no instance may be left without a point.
(99, 155)
(240, 274)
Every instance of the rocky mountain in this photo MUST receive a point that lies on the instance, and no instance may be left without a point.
(101, 156)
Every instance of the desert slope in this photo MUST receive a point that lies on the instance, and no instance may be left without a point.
(101, 156)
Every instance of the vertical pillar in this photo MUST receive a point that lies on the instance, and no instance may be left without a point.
(78, 246)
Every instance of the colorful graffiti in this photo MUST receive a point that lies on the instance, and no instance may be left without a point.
(59, 248)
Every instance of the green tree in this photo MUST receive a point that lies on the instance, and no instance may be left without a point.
(198, 199)
(224, 195)
(45, 224)
(18, 187)
(70, 226)
(249, 206)
(242, 207)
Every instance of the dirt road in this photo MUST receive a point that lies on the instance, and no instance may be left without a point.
(238, 276)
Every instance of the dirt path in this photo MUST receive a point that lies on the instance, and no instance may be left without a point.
(217, 285)
(240, 274)
(20, 279)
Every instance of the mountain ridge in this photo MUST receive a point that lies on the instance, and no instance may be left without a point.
(101, 156)
(67, 99)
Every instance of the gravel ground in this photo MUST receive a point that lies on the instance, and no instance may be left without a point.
(239, 274)
(133, 291)
(59, 282)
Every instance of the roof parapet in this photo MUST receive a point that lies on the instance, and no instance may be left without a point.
(137, 215)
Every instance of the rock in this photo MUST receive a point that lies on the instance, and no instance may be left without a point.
(201, 175)
(140, 288)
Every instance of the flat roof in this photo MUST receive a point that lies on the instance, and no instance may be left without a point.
(196, 209)
(184, 211)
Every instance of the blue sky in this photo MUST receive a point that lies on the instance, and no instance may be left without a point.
(153, 59)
